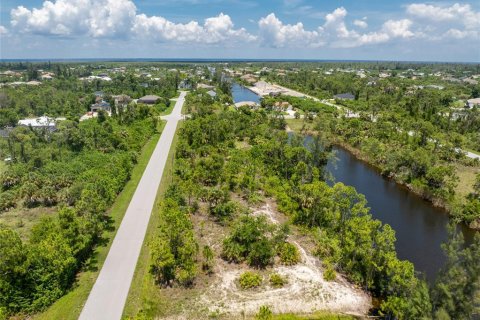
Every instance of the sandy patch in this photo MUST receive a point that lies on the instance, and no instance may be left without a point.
(305, 292)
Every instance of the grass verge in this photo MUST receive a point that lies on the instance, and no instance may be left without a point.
(70, 305)
(144, 293)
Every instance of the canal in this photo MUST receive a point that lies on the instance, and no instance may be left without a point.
(240, 93)
(420, 227)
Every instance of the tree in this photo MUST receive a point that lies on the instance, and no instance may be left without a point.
(458, 285)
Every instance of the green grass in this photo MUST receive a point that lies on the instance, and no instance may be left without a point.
(297, 124)
(3, 166)
(70, 305)
(466, 179)
(144, 294)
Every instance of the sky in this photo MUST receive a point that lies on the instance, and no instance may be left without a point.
(235, 29)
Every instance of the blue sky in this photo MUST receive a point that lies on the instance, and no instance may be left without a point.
(303, 29)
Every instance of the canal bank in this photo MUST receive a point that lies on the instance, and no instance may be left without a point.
(420, 227)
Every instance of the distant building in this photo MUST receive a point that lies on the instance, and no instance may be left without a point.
(205, 86)
(344, 96)
(121, 101)
(470, 81)
(101, 106)
(43, 122)
(212, 94)
(149, 99)
(185, 84)
(5, 132)
(473, 103)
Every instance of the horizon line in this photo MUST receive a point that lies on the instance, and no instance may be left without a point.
(2, 60)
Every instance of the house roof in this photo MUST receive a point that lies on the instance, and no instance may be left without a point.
(149, 98)
(474, 101)
(43, 121)
(212, 93)
(347, 96)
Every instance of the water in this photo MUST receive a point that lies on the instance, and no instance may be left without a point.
(240, 93)
(420, 228)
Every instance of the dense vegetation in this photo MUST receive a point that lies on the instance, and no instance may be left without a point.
(410, 127)
(222, 152)
(224, 155)
(68, 96)
(76, 171)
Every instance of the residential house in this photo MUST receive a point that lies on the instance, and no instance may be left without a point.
(101, 106)
(121, 101)
(149, 99)
(42, 122)
(212, 94)
(473, 103)
(205, 86)
(344, 96)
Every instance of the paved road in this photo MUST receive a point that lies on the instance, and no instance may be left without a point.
(108, 296)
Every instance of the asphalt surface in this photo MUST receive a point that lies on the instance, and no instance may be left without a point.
(109, 293)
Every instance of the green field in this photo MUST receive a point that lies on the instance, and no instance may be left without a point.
(70, 305)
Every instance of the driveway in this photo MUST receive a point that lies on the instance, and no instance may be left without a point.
(107, 298)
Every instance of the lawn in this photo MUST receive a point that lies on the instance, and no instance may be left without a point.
(144, 294)
(297, 124)
(466, 179)
(70, 305)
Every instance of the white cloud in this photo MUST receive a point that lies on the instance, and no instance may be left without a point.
(398, 28)
(215, 30)
(119, 18)
(333, 33)
(461, 13)
(459, 34)
(275, 33)
(335, 24)
(360, 23)
(100, 18)
(457, 21)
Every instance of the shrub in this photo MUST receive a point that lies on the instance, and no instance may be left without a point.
(261, 253)
(289, 254)
(250, 280)
(251, 240)
(208, 259)
(277, 281)
(224, 210)
(329, 274)
(7, 200)
(264, 313)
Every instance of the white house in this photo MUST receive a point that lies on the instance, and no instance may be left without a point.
(42, 122)
(473, 102)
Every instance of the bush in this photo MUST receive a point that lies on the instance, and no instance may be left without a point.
(250, 280)
(251, 239)
(277, 281)
(264, 313)
(7, 200)
(261, 254)
(208, 259)
(329, 274)
(289, 254)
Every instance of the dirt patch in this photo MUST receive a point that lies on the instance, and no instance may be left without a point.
(306, 291)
